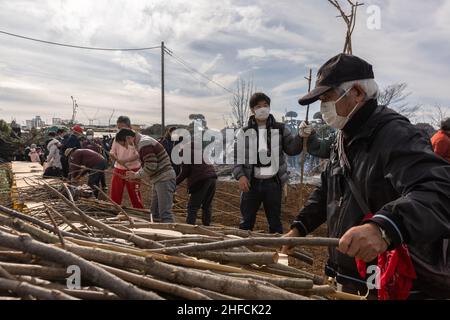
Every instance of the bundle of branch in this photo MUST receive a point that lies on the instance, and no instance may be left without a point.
(89, 249)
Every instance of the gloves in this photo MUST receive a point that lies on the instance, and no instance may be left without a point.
(305, 130)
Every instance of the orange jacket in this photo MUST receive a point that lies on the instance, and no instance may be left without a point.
(441, 144)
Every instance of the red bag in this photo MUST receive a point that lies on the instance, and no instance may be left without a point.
(396, 272)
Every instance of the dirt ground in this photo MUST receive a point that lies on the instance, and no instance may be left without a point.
(226, 212)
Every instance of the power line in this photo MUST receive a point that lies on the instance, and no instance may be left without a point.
(76, 46)
(169, 52)
(192, 69)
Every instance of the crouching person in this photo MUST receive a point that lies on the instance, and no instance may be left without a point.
(201, 183)
(86, 161)
(156, 169)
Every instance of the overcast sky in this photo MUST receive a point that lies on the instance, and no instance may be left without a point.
(273, 42)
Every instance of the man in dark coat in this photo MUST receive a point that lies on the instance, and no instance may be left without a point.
(262, 179)
(201, 183)
(384, 192)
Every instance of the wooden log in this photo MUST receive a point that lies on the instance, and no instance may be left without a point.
(25, 289)
(25, 227)
(296, 253)
(39, 223)
(182, 228)
(242, 233)
(49, 273)
(5, 274)
(215, 295)
(116, 206)
(57, 231)
(67, 221)
(150, 236)
(139, 241)
(88, 270)
(280, 270)
(247, 289)
(156, 285)
(285, 282)
(302, 257)
(16, 256)
(328, 242)
(84, 293)
(181, 261)
(185, 240)
(264, 258)
(69, 194)
(89, 294)
(323, 290)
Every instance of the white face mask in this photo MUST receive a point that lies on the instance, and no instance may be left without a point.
(330, 116)
(262, 113)
(90, 137)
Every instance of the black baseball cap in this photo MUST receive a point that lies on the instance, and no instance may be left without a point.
(334, 72)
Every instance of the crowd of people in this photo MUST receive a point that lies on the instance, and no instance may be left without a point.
(385, 192)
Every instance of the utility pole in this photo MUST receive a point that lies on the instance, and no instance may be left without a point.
(162, 90)
(74, 109)
(305, 140)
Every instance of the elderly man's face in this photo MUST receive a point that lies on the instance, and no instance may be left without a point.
(346, 104)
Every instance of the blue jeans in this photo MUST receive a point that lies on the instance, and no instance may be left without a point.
(268, 192)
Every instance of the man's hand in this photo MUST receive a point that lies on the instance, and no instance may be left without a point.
(130, 175)
(244, 184)
(293, 233)
(363, 242)
(305, 130)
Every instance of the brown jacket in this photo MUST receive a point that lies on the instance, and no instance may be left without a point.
(83, 158)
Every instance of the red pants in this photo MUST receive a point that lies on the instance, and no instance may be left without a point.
(117, 186)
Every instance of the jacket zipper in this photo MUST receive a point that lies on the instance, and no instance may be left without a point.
(341, 216)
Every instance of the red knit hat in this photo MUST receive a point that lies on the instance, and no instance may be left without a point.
(77, 128)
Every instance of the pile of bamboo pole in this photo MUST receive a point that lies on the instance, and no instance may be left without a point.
(118, 254)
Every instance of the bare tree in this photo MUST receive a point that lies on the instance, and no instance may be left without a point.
(395, 97)
(240, 108)
(350, 21)
(438, 116)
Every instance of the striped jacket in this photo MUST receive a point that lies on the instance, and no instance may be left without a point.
(155, 161)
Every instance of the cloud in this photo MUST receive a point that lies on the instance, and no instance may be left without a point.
(272, 42)
(132, 62)
(261, 54)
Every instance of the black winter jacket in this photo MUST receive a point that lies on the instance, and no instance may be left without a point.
(400, 178)
(288, 143)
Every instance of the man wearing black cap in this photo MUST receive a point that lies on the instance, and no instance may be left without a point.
(384, 192)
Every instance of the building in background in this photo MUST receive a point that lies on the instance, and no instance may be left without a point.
(57, 121)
